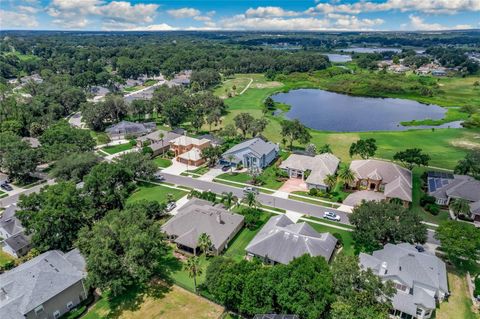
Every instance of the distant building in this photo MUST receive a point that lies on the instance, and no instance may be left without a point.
(198, 217)
(13, 239)
(314, 169)
(398, 68)
(188, 150)
(281, 241)
(419, 277)
(158, 141)
(46, 286)
(252, 153)
(125, 128)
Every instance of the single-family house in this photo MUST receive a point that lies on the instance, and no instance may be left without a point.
(124, 129)
(188, 150)
(314, 169)
(398, 68)
(253, 153)
(394, 181)
(446, 187)
(158, 141)
(419, 277)
(46, 286)
(197, 217)
(281, 240)
(13, 239)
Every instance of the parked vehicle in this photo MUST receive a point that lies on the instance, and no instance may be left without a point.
(170, 206)
(420, 248)
(6, 187)
(159, 177)
(250, 189)
(225, 168)
(331, 216)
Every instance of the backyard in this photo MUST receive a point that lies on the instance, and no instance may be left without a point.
(114, 149)
(459, 305)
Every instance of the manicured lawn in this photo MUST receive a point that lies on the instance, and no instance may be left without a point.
(347, 238)
(154, 192)
(459, 304)
(3, 194)
(150, 82)
(312, 200)
(236, 249)
(196, 172)
(235, 177)
(268, 177)
(172, 303)
(162, 162)
(132, 88)
(182, 278)
(114, 149)
(4, 258)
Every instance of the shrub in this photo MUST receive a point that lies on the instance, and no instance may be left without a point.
(339, 238)
(252, 217)
(432, 209)
(147, 150)
(427, 199)
(313, 191)
(477, 286)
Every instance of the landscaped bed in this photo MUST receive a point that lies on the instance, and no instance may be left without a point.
(114, 149)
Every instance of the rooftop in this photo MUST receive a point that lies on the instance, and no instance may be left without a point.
(319, 165)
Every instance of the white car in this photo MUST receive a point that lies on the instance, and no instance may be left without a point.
(331, 216)
(159, 177)
(170, 206)
(250, 189)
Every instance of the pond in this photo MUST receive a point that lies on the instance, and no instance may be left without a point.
(338, 58)
(328, 111)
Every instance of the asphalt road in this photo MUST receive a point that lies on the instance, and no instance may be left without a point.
(4, 202)
(265, 199)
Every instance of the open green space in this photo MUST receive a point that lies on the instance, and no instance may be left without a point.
(310, 199)
(445, 146)
(3, 194)
(162, 162)
(114, 149)
(159, 193)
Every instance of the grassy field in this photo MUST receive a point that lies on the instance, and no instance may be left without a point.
(171, 303)
(459, 304)
(155, 192)
(162, 162)
(445, 146)
(114, 149)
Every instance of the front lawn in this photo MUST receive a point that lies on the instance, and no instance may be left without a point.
(162, 162)
(268, 177)
(155, 192)
(166, 303)
(195, 173)
(459, 305)
(114, 149)
(3, 194)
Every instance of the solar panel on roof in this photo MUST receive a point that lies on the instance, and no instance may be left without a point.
(431, 185)
(438, 183)
(445, 182)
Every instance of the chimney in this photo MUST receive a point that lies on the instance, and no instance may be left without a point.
(383, 268)
(219, 218)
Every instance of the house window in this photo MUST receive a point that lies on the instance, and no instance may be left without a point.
(56, 314)
(70, 305)
(419, 312)
(38, 309)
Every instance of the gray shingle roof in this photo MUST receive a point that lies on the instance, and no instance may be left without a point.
(416, 270)
(461, 186)
(319, 165)
(281, 240)
(199, 216)
(256, 146)
(18, 241)
(8, 222)
(36, 281)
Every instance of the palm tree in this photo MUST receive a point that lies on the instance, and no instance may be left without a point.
(460, 206)
(161, 136)
(330, 180)
(192, 266)
(228, 198)
(251, 200)
(346, 175)
(204, 243)
(230, 158)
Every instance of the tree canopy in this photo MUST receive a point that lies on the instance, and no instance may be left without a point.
(363, 148)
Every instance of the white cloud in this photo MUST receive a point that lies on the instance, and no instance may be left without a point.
(427, 6)
(125, 11)
(10, 19)
(350, 22)
(242, 22)
(270, 12)
(154, 27)
(417, 23)
(184, 13)
(28, 9)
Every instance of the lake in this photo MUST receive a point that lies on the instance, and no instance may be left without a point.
(368, 50)
(328, 111)
(339, 58)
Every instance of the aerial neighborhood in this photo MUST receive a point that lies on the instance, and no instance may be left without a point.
(238, 174)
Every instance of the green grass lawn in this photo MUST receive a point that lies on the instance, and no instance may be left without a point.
(154, 192)
(5, 258)
(130, 89)
(310, 199)
(114, 149)
(150, 82)
(268, 177)
(459, 305)
(235, 177)
(348, 247)
(100, 137)
(196, 172)
(162, 162)
(3, 194)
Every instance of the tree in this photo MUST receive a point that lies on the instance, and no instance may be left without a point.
(228, 198)
(269, 103)
(231, 158)
(108, 186)
(325, 149)
(330, 180)
(252, 217)
(139, 165)
(243, 122)
(469, 165)
(460, 242)
(192, 266)
(295, 131)
(460, 206)
(360, 294)
(74, 166)
(212, 154)
(257, 126)
(363, 148)
(379, 223)
(251, 200)
(311, 149)
(346, 175)
(175, 110)
(411, 157)
(125, 248)
(54, 216)
(20, 162)
(204, 243)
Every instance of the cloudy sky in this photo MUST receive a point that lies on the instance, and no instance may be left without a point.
(239, 14)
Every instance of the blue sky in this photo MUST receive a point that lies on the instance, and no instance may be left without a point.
(279, 15)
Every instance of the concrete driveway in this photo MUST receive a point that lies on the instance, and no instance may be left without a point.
(294, 185)
(357, 197)
(211, 174)
(177, 168)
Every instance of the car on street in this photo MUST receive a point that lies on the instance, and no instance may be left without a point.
(170, 206)
(6, 187)
(250, 189)
(159, 177)
(331, 216)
